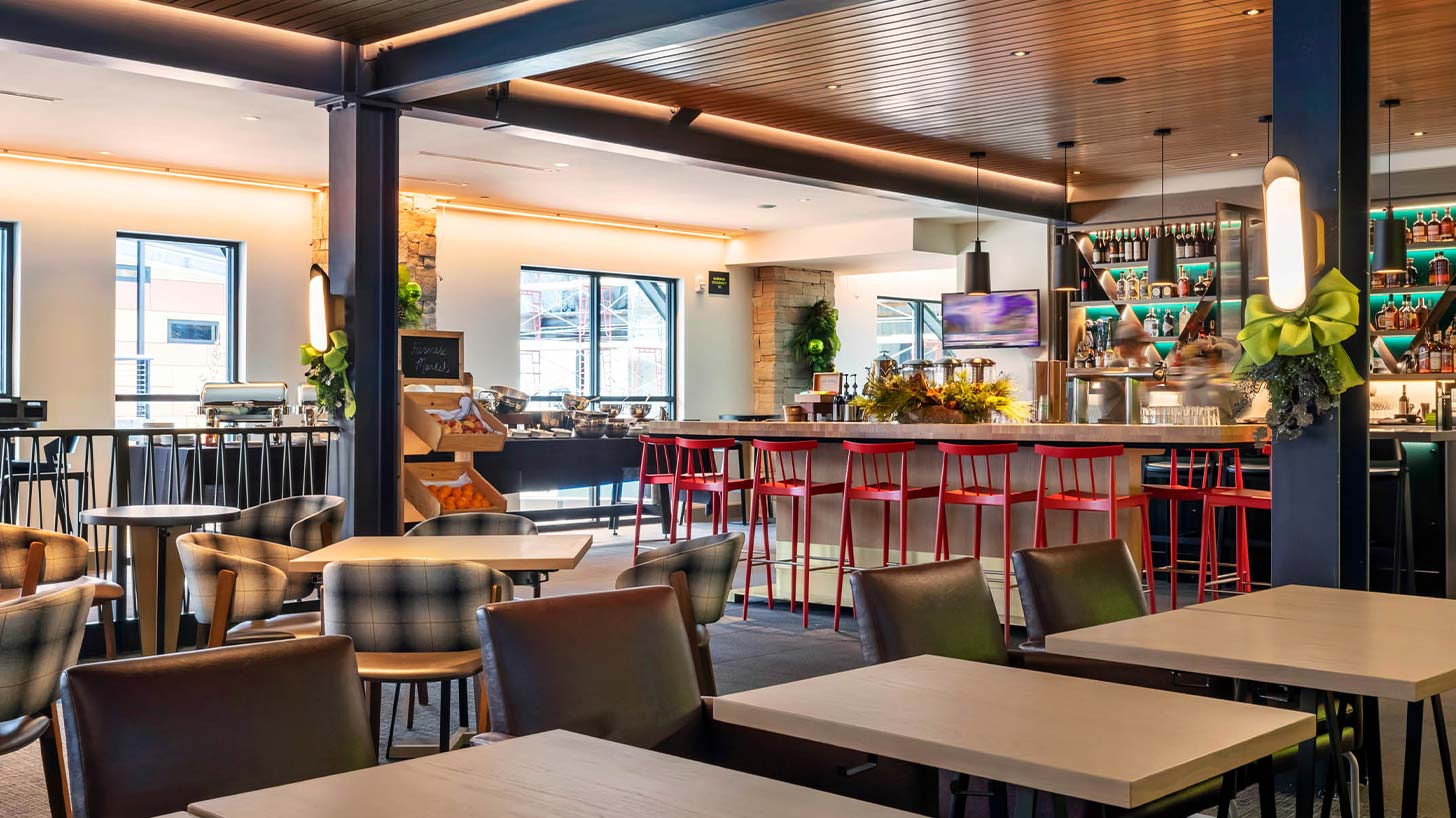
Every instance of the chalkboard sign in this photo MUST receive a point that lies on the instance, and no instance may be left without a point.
(717, 283)
(431, 357)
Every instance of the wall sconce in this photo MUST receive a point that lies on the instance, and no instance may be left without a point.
(1286, 261)
(322, 311)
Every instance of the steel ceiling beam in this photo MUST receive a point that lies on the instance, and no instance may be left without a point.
(161, 40)
(539, 36)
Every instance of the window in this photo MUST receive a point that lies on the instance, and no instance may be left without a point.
(176, 323)
(598, 334)
(7, 311)
(908, 328)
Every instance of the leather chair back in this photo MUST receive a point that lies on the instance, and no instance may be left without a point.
(476, 523)
(149, 736)
(708, 562)
(1077, 586)
(616, 665)
(40, 636)
(409, 606)
(940, 608)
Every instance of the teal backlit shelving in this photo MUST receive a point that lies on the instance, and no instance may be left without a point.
(1437, 298)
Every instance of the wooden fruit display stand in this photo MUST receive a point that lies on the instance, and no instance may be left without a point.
(434, 422)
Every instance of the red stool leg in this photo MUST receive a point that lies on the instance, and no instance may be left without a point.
(1173, 552)
(1206, 543)
(976, 543)
(885, 534)
(637, 528)
(808, 542)
(673, 496)
(748, 568)
(768, 566)
(942, 540)
(1005, 566)
(794, 571)
(1148, 559)
(846, 543)
(904, 529)
(1245, 580)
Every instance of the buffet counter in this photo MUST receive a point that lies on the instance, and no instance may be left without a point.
(869, 519)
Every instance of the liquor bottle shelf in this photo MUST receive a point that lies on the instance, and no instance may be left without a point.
(1425, 289)
(1429, 246)
(1142, 265)
(1411, 376)
(1393, 333)
(1142, 302)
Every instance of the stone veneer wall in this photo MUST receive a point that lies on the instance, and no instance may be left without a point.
(417, 218)
(780, 297)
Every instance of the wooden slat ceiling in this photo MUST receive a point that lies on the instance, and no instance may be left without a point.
(355, 21)
(936, 78)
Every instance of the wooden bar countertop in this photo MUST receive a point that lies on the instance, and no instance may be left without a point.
(1129, 434)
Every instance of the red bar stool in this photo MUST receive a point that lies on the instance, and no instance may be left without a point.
(776, 473)
(1190, 479)
(1210, 569)
(1078, 499)
(700, 469)
(980, 492)
(879, 480)
(659, 454)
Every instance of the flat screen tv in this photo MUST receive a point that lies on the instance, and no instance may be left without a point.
(1003, 319)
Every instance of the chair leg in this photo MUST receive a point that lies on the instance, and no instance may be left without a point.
(445, 728)
(1245, 580)
(752, 537)
(409, 710)
(376, 704)
(54, 766)
(482, 712)
(108, 628)
(976, 543)
(885, 533)
(794, 559)
(904, 530)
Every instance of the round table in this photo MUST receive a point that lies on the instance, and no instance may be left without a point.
(149, 529)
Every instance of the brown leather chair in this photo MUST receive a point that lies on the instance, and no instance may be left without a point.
(149, 736)
(940, 608)
(619, 665)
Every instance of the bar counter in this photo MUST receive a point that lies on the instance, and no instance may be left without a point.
(869, 519)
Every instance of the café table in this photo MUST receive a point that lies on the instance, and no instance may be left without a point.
(1318, 640)
(151, 533)
(503, 552)
(547, 775)
(1110, 744)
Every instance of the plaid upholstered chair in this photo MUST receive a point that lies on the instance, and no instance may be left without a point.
(484, 524)
(40, 636)
(66, 560)
(255, 602)
(308, 521)
(709, 563)
(413, 621)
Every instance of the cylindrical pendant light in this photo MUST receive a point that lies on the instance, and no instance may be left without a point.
(1389, 232)
(978, 261)
(1066, 266)
(1162, 268)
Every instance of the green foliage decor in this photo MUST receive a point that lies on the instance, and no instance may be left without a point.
(328, 372)
(411, 314)
(962, 400)
(816, 341)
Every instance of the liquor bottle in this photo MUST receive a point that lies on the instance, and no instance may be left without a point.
(1440, 269)
(1418, 230)
(1403, 406)
(1411, 276)
(1200, 287)
(1170, 324)
(1448, 353)
(1407, 319)
(1385, 320)
(1433, 228)
(1185, 284)
(1423, 356)
(1422, 313)
(1448, 227)
(1209, 326)
(1129, 247)
(1409, 234)
(1377, 280)
(1183, 316)
(1151, 324)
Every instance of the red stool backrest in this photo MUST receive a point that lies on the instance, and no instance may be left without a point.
(659, 455)
(1204, 468)
(981, 465)
(876, 460)
(699, 456)
(776, 461)
(1076, 456)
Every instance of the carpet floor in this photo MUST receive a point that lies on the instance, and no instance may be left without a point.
(770, 647)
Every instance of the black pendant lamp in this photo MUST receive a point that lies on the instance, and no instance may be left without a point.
(1066, 264)
(1389, 231)
(1162, 264)
(978, 261)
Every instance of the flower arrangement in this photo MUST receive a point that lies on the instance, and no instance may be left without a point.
(1297, 355)
(328, 372)
(410, 311)
(962, 400)
(817, 339)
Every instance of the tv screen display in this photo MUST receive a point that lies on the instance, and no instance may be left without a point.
(1004, 319)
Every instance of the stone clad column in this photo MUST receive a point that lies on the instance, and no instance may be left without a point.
(780, 297)
(418, 215)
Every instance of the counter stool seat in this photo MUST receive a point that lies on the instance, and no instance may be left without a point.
(657, 467)
(1192, 474)
(1210, 573)
(777, 469)
(699, 469)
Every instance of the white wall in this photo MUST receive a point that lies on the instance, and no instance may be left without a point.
(480, 259)
(69, 218)
(855, 294)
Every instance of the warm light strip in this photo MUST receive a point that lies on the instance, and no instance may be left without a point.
(179, 174)
(1412, 206)
(558, 217)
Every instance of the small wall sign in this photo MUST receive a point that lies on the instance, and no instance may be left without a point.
(717, 283)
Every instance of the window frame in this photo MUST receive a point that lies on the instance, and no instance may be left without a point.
(918, 349)
(9, 256)
(594, 345)
(234, 310)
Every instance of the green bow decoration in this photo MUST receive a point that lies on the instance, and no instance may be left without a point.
(329, 372)
(1328, 316)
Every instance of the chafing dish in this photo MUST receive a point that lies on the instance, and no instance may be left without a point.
(17, 413)
(883, 366)
(576, 403)
(244, 403)
(508, 400)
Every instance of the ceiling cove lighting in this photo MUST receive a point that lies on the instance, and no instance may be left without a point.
(178, 174)
(978, 261)
(1162, 269)
(1389, 239)
(559, 217)
(1284, 232)
(1418, 133)
(1066, 266)
(1020, 53)
(1253, 12)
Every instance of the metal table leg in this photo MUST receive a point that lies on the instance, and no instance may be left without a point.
(1411, 792)
(1304, 788)
(163, 537)
(1371, 707)
(1443, 743)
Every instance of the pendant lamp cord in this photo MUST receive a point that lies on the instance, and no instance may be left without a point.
(1162, 213)
(1389, 113)
(978, 200)
(1066, 193)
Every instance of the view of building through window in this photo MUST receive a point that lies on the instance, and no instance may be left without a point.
(908, 328)
(175, 323)
(7, 310)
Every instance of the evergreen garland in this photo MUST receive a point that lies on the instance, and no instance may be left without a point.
(816, 341)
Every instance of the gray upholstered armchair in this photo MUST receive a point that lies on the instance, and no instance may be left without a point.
(307, 522)
(258, 592)
(484, 524)
(709, 563)
(67, 560)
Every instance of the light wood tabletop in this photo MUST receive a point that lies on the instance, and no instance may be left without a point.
(1367, 610)
(542, 776)
(1060, 734)
(1340, 654)
(511, 552)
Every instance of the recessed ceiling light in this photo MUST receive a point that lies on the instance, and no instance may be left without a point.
(1253, 12)
(767, 206)
(561, 164)
(833, 86)
(1020, 52)
(252, 118)
(104, 153)
(1108, 80)
(1418, 133)
(1076, 173)
(1234, 153)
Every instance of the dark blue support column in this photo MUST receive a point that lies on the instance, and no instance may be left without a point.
(363, 260)
(1321, 61)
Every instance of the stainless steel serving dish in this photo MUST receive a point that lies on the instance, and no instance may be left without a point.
(235, 403)
(617, 427)
(590, 424)
(509, 400)
(639, 411)
(576, 403)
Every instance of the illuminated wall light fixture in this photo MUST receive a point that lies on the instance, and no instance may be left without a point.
(323, 310)
(1284, 244)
